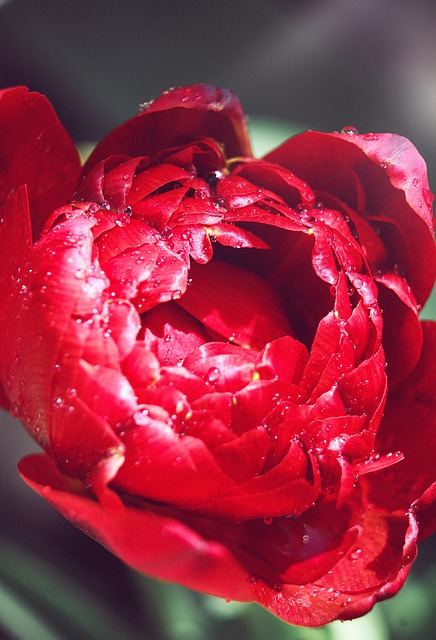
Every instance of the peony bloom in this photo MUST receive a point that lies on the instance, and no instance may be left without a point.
(221, 356)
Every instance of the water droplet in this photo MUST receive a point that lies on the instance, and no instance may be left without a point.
(268, 520)
(213, 375)
(305, 539)
(355, 554)
(80, 273)
(176, 295)
(349, 130)
(167, 337)
(398, 270)
(105, 205)
(144, 105)
(93, 207)
(15, 410)
(122, 220)
(370, 137)
(213, 178)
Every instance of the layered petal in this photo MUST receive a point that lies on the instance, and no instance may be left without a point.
(182, 115)
(380, 182)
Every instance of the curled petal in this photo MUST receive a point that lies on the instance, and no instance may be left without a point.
(221, 296)
(159, 545)
(196, 112)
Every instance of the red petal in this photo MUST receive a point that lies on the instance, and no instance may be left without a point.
(91, 186)
(129, 269)
(152, 179)
(230, 235)
(171, 333)
(394, 179)
(278, 180)
(409, 426)
(235, 303)
(189, 113)
(116, 239)
(158, 545)
(123, 324)
(79, 438)
(36, 151)
(285, 358)
(15, 240)
(162, 466)
(224, 367)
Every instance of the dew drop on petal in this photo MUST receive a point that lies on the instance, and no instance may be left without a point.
(80, 273)
(268, 520)
(212, 375)
(369, 137)
(355, 554)
(122, 220)
(350, 130)
(15, 410)
(144, 105)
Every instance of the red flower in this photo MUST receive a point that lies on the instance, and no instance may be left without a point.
(196, 339)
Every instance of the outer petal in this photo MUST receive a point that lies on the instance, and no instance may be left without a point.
(15, 243)
(409, 426)
(182, 115)
(372, 569)
(158, 545)
(35, 150)
(393, 175)
(383, 178)
(61, 291)
(15, 239)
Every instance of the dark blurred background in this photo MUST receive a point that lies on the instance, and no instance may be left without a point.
(321, 64)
